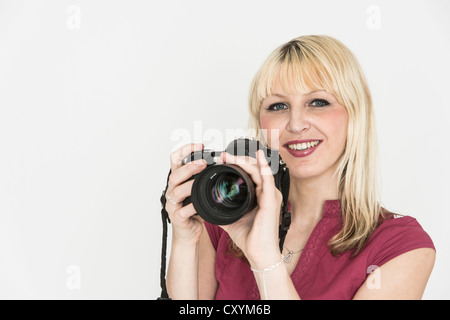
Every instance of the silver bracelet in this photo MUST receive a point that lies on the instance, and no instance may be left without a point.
(263, 271)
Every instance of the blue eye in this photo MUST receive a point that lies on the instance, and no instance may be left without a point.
(277, 106)
(319, 103)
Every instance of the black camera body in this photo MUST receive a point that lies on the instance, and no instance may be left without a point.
(223, 193)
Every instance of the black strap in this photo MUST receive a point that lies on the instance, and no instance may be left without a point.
(165, 219)
(284, 185)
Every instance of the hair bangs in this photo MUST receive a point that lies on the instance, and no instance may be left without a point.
(296, 72)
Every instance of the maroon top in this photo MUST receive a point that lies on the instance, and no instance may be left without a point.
(318, 274)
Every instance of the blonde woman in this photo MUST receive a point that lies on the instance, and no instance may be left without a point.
(341, 243)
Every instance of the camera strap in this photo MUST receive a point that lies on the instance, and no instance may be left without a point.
(283, 185)
(165, 220)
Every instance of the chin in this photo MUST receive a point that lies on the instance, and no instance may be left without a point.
(302, 176)
(302, 172)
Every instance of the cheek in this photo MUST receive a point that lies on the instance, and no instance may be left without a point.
(271, 129)
(264, 122)
(338, 123)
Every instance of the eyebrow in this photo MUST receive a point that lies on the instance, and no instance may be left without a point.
(279, 95)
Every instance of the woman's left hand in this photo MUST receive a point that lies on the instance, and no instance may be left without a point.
(256, 233)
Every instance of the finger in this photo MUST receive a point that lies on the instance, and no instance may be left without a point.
(268, 182)
(180, 175)
(238, 159)
(270, 197)
(249, 164)
(177, 195)
(264, 168)
(177, 156)
(184, 213)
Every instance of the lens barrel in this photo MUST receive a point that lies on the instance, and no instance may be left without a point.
(222, 194)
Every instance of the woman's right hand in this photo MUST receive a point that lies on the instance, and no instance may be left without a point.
(186, 227)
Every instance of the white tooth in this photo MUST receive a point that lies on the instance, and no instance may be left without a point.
(304, 145)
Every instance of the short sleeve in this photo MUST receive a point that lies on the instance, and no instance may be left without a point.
(214, 233)
(395, 237)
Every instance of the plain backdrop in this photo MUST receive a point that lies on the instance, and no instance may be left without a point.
(94, 95)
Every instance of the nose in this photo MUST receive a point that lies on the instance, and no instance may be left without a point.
(299, 120)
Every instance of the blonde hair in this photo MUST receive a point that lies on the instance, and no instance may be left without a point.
(319, 62)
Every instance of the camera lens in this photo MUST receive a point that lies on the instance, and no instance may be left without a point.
(222, 194)
(229, 191)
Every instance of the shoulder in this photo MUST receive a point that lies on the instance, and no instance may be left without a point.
(403, 277)
(400, 258)
(395, 236)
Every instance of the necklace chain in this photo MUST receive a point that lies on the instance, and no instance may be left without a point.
(288, 258)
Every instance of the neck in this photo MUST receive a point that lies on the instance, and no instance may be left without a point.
(307, 197)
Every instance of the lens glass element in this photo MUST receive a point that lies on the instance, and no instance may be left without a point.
(229, 190)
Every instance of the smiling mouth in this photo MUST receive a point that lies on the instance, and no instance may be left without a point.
(302, 146)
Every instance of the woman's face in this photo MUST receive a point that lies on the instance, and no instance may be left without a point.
(312, 130)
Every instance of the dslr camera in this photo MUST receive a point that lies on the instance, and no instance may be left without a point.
(223, 193)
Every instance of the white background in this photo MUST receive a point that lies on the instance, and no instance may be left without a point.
(94, 93)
